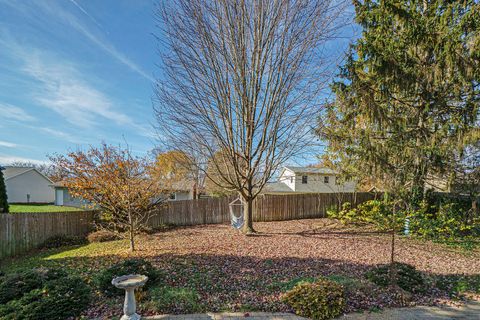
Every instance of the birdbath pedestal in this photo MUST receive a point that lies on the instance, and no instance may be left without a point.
(129, 283)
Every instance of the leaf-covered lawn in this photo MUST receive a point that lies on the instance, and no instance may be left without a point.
(18, 208)
(233, 272)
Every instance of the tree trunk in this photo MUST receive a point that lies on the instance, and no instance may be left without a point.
(132, 240)
(195, 191)
(393, 271)
(248, 216)
(132, 234)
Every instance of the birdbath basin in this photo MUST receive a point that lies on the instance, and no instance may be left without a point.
(130, 283)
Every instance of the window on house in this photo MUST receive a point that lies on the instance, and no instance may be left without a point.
(304, 179)
(291, 179)
(326, 179)
(172, 196)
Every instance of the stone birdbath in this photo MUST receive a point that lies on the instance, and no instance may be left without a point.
(130, 283)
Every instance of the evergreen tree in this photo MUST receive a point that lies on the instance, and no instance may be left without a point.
(3, 193)
(407, 97)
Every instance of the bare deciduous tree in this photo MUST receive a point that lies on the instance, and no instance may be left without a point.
(242, 78)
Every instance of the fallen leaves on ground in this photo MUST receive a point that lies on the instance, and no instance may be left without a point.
(231, 271)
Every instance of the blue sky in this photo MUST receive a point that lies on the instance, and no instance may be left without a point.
(74, 73)
(78, 72)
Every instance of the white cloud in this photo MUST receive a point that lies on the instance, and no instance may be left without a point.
(64, 91)
(76, 4)
(61, 135)
(12, 112)
(70, 19)
(53, 10)
(7, 144)
(7, 159)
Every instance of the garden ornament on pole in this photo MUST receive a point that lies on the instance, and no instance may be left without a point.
(407, 227)
(130, 283)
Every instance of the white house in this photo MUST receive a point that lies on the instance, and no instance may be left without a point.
(27, 185)
(309, 180)
(185, 189)
(64, 198)
(181, 190)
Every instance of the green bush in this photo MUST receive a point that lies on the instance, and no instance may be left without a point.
(378, 213)
(346, 215)
(54, 295)
(14, 286)
(406, 277)
(4, 208)
(63, 240)
(458, 284)
(349, 284)
(133, 266)
(285, 286)
(175, 300)
(323, 299)
(451, 221)
(102, 236)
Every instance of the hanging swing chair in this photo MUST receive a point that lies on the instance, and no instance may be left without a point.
(236, 213)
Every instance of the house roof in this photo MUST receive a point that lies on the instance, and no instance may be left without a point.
(311, 170)
(276, 187)
(59, 184)
(10, 172)
(184, 185)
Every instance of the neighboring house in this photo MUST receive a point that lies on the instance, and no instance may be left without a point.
(185, 190)
(308, 180)
(27, 185)
(64, 198)
(181, 191)
(463, 183)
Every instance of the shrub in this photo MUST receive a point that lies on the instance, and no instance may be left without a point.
(375, 212)
(63, 240)
(102, 236)
(285, 286)
(323, 299)
(458, 284)
(55, 296)
(349, 284)
(16, 285)
(175, 300)
(133, 266)
(346, 215)
(451, 221)
(406, 277)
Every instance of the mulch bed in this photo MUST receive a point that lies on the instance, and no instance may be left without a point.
(234, 272)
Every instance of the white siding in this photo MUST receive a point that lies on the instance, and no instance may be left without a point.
(183, 195)
(315, 183)
(68, 200)
(288, 178)
(32, 183)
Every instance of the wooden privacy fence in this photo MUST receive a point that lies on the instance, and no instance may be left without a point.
(21, 232)
(266, 208)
